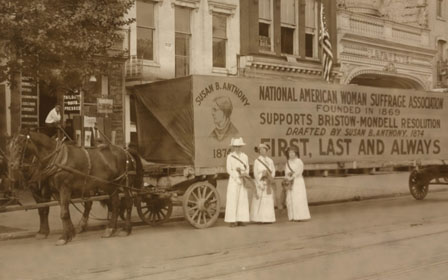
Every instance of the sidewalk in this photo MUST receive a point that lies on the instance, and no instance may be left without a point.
(320, 190)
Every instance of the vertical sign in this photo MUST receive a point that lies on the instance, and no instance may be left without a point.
(29, 103)
(72, 104)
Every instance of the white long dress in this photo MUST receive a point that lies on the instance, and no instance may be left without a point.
(237, 204)
(296, 199)
(262, 208)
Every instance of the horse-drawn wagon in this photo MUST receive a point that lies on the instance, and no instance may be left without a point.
(184, 127)
(189, 121)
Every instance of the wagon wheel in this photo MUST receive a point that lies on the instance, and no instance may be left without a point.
(418, 188)
(201, 204)
(153, 210)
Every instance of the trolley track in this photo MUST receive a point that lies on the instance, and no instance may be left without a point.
(241, 262)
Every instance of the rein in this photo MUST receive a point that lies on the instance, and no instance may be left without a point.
(52, 167)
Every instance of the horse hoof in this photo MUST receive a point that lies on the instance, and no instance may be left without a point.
(108, 233)
(123, 233)
(40, 236)
(80, 229)
(61, 242)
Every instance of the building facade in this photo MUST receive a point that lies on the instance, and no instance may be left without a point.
(398, 44)
(395, 44)
(257, 38)
(438, 21)
(176, 38)
(281, 38)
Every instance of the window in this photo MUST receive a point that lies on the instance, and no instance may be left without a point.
(288, 25)
(440, 8)
(219, 40)
(133, 121)
(309, 45)
(145, 30)
(182, 41)
(442, 64)
(265, 24)
(311, 28)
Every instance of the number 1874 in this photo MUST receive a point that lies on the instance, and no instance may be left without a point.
(220, 153)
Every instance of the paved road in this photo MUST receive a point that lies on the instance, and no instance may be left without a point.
(395, 238)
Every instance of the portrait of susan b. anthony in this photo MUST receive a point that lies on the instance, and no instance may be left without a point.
(221, 111)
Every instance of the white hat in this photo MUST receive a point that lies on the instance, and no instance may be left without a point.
(237, 142)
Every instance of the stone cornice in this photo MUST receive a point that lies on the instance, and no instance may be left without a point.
(223, 8)
(277, 65)
(389, 45)
(383, 20)
(193, 4)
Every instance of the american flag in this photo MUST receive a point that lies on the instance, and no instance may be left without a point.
(324, 39)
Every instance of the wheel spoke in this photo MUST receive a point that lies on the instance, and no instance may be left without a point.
(193, 202)
(199, 217)
(208, 213)
(193, 208)
(201, 191)
(212, 205)
(208, 196)
(146, 212)
(194, 195)
(197, 193)
(194, 214)
(204, 216)
(205, 191)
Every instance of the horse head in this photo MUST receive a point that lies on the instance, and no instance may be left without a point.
(22, 150)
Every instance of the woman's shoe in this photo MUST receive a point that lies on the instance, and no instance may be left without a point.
(233, 224)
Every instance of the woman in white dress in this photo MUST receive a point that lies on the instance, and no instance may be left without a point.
(296, 199)
(262, 207)
(237, 203)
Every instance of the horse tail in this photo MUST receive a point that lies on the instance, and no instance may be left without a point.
(138, 178)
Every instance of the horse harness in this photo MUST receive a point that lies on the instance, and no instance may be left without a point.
(53, 167)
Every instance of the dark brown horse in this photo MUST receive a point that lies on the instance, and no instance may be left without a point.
(42, 192)
(69, 170)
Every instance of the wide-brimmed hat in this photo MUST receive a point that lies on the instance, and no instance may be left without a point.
(262, 146)
(237, 142)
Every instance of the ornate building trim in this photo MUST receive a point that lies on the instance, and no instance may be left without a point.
(193, 4)
(362, 71)
(280, 66)
(223, 8)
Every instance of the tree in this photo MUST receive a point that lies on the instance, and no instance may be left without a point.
(64, 40)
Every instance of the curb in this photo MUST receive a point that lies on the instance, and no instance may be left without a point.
(96, 227)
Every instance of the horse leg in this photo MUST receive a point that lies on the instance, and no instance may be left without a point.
(68, 230)
(114, 204)
(82, 226)
(42, 195)
(44, 228)
(127, 227)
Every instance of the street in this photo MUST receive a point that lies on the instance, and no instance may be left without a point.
(394, 238)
